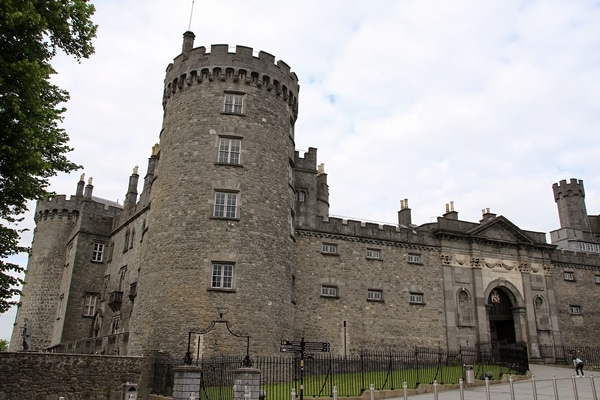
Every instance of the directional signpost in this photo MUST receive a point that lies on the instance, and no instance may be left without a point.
(301, 347)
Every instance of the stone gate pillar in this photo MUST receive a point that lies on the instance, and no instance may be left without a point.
(186, 382)
(246, 379)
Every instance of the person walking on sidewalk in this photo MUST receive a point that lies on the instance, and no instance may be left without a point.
(578, 363)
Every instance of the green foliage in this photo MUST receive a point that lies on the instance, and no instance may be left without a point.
(3, 345)
(33, 146)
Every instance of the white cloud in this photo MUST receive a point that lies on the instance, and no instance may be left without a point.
(484, 103)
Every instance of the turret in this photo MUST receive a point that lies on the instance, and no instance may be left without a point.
(570, 199)
(222, 200)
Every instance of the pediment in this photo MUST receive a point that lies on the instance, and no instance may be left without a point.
(502, 230)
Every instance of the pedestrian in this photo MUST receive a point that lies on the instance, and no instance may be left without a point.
(578, 363)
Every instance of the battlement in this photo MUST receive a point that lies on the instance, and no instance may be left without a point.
(373, 231)
(308, 162)
(564, 189)
(57, 207)
(196, 65)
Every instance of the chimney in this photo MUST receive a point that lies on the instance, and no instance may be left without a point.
(188, 41)
(404, 216)
(88, 189)
(450, 213)
(80, 185)
(487, 215)
(131, 196)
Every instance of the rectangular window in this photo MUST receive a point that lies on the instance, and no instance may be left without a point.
(89, 305)
(575, 310)
(61, 299)
(329, 248)
(69, 254)
(222, 276)
(597, 279)
(115, 324)
(234, 103)
(97, 252)
(374, 295)
(229, 150)
(414, 258)
(329, 291)
(374, 254)
(416, 298)
(225, 205)
(569, 276)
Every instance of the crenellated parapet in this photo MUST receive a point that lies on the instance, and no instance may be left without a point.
(197, 66)
(57, 207)
(355, 230)
(564, 189)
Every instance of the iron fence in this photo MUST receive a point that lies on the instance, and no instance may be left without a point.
(564, 355)
(318, 373)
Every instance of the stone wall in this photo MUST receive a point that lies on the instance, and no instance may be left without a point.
(46, 376)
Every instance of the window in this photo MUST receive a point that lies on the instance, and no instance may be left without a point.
(569, 276)
(290, 174)
(70, 253)
(416, 298)
(575, 310)
(234, 103)
(329, 291)
(329, 248)
(60, 306)
(97, 252)
(122, 273)
(300, 195)
(115, 324)
(225, 205)
(229, 150)
(597, 278)
(89, 305)
(414, 258)
(105, 286)
(222, 276)
(374, 254)
(374, 295)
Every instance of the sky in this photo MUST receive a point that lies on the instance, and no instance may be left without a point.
(482, 103)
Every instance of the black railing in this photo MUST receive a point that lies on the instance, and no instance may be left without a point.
(352, 375)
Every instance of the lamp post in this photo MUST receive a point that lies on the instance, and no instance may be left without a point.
(188, 359)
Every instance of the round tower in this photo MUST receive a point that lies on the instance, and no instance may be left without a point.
(37, 312)
(570, 199)
(219, 239)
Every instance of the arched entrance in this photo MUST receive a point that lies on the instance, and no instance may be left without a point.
(502, 323)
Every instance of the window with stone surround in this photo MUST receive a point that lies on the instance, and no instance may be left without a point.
(374, 254)
(115, 324)
(89, 304)
(97, 252)
(233, 103)
(416, 298)
(226, 205)
(569, 276)
(329, 249)
(375, 295)
(575, 310)
(413, 258)
(597, 279)
(329, 291)
(222, 276)
(230, 150)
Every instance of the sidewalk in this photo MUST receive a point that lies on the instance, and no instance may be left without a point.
(541, 385)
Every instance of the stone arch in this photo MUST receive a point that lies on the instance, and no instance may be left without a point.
(505, 308)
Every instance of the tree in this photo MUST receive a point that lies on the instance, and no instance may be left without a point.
(33, 146)
(3, 345)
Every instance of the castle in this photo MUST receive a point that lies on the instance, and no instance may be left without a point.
(232, 224)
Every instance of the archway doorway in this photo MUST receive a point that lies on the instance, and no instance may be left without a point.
(502, 323)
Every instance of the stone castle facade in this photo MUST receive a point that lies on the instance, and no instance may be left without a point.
(232, 225)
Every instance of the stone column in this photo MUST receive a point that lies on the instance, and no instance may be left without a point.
(246, 379)
(186, 382)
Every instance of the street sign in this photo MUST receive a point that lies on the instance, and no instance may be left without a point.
(310, 347)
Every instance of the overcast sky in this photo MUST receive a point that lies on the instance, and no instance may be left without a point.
(483, 103)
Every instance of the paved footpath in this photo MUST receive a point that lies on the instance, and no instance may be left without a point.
(540, 387)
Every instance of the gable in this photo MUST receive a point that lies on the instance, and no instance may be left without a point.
(500, 229)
